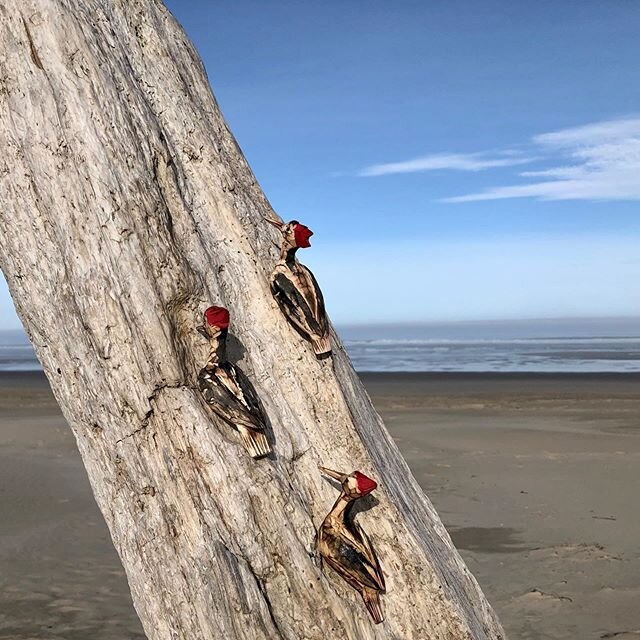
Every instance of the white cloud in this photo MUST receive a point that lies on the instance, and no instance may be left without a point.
(452, 161)
(598, 132)
(601, 162)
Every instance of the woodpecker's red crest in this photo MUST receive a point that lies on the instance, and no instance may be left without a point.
(365, 484)
(301, 235)
(217, 317)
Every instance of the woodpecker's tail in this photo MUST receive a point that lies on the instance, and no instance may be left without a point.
(321, 346)
(371, 599)
(255, 442)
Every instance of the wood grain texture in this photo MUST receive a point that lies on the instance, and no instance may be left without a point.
(126, 208)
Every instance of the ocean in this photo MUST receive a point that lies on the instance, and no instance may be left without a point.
(16, 353)
(609, 345)
(554, 346)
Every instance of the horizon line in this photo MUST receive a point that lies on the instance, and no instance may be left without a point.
(388, 323)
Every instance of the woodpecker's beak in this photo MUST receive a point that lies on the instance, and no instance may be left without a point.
(202, 331)
(276, 223)
(340, 477)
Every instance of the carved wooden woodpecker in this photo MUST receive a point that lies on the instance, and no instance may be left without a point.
(296, 290)
(227, 389)
(346, 547)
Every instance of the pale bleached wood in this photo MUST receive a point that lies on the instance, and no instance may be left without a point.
(126, 208)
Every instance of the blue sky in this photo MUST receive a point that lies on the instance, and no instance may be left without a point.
(456, 160)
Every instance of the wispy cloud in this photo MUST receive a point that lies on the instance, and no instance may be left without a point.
(599, 161)
(451, 161)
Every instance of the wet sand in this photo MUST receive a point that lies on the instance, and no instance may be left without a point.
(535, 476)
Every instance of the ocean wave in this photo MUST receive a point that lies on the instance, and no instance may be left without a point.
(382, 342)
(573, 354)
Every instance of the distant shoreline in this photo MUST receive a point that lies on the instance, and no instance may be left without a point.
(543, 347)
(37, 376)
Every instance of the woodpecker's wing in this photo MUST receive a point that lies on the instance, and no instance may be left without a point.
(373, 564)
(352, 560)
(319, 312)
(231, 396)
(295, 306)
(249, 394)
(353, 569)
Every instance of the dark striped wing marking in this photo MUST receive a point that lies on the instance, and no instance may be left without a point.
(229, 405)
(358, 569)
(295, 307)
(321, 314)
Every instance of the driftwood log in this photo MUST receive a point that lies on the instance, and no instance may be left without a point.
(126, 208)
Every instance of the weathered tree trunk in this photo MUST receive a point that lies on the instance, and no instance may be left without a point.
(126, 207)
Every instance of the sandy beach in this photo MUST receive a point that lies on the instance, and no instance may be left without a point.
(535, 477)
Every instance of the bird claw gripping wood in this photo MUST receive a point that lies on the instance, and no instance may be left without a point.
(227, 390)
(346, 547)
(296, 290)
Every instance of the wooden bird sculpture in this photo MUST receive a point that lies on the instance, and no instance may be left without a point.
(346, 547)
(227, 390)
(296, 290)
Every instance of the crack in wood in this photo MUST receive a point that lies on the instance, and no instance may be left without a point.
(34, 53)
(152, 399)
(267, 603)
